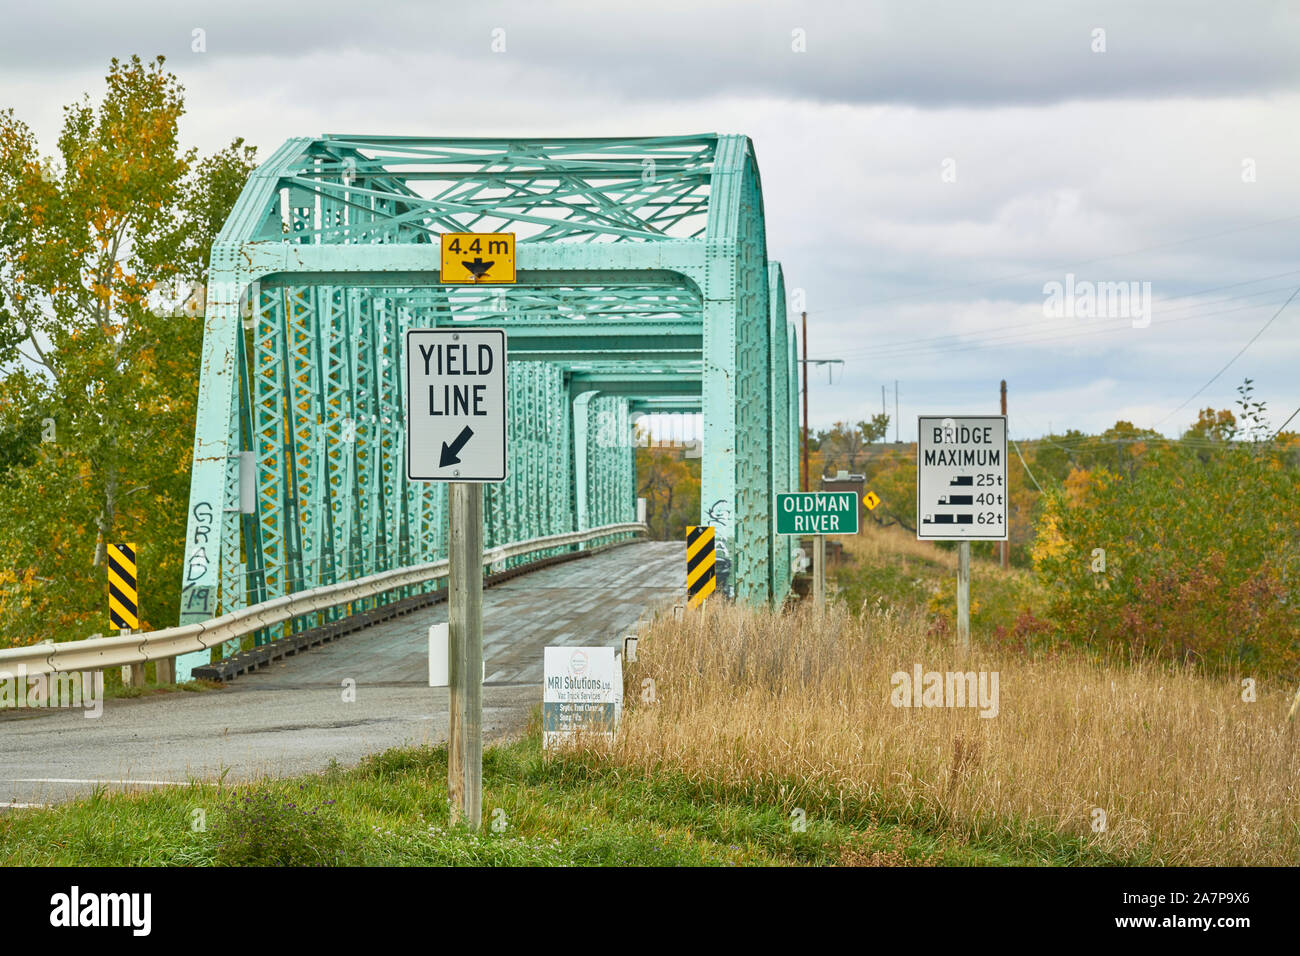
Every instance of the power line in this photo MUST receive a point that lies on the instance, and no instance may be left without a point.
(1081, 443)
(1287, 422)
(1036, 327)
(1031, 325)
(1239, 354)
(1050, 335)
(1085, 262)
(830, 368)
(1027, 471)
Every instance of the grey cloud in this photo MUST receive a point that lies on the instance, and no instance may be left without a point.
(924, 53)
(1148, 138)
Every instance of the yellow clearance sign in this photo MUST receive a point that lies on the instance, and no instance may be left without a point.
(474, 258)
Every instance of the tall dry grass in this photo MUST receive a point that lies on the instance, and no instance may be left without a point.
(796, 708)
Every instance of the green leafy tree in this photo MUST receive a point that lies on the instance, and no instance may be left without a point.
(92, 244)
(874, 430)
(842, 445)
(1188, 558)
(1213, 426)
(1056, 455)
(670, 485)
(893, 478)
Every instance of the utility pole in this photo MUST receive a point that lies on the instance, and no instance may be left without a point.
(804, 376)
(465, 634)
(1005, 546)
(896, 438)
(819, 541)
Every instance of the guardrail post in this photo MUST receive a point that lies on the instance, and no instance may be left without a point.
(132, 674)
(465, 616)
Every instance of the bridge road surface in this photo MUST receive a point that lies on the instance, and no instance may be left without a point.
(290, 717)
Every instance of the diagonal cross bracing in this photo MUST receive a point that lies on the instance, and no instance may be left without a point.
(644, 284)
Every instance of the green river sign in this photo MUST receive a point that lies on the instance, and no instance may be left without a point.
(817, 512)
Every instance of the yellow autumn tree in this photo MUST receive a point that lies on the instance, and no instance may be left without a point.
(98, 377)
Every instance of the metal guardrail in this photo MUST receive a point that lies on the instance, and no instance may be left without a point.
(103, 652)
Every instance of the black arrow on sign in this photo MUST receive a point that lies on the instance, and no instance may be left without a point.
(478, 268)
(451, 452)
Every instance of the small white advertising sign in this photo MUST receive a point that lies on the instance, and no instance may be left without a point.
(583, 692)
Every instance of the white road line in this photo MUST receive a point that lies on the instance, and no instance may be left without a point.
(142, 783)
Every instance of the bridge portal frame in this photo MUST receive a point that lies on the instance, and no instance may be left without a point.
(331, 247)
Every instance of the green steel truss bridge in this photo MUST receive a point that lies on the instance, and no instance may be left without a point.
(643, 286)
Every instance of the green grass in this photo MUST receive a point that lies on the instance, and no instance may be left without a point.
(391, 810)
(891, 584)
(119, 690)
(571, 810)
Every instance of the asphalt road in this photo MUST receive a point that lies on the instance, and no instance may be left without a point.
(292, 717)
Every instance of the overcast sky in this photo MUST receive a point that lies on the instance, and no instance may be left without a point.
(928, 167)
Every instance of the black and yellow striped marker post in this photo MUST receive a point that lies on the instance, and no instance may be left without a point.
(700, 559)
(123, 588)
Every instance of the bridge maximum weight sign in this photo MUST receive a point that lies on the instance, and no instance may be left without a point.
(961, 478)
(456, 405)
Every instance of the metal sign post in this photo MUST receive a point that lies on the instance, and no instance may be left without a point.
(456, 433)
(963, 597)
(821, 513)
(819, 572)
(961, 491)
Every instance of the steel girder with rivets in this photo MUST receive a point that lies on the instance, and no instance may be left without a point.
(643, 283)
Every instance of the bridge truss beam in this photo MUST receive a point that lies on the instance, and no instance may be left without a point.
(643, 283)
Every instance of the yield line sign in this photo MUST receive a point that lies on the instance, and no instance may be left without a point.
(456, 405)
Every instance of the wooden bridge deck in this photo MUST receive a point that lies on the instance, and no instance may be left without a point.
(588, 601)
